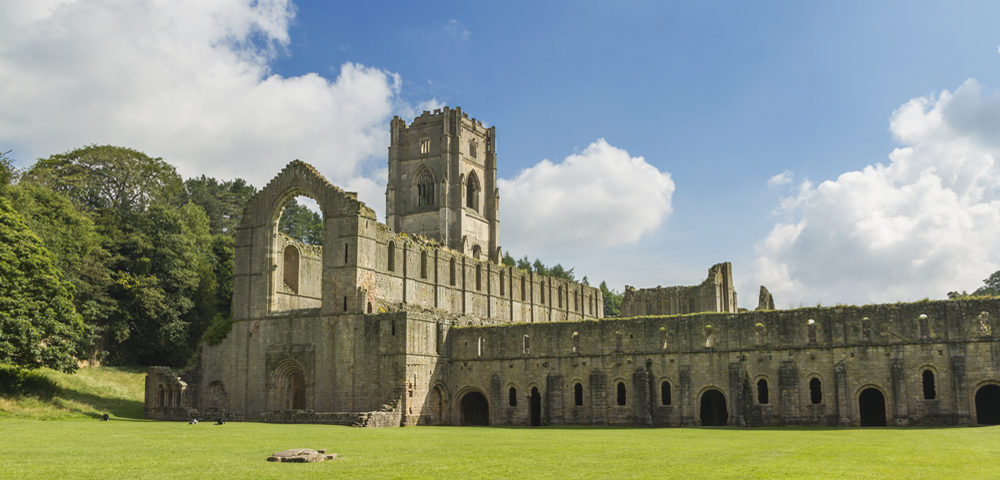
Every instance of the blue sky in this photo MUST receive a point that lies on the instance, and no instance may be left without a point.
(709, 102)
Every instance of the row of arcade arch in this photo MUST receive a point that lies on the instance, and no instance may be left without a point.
(474, 408)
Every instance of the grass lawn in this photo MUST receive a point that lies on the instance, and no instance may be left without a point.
(56, 435)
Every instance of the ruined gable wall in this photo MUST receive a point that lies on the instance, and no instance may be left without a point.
(890, 355)
(714, 294)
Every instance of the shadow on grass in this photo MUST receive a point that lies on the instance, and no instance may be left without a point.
(16, 382)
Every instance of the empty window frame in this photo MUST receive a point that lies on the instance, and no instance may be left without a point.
(815, 391)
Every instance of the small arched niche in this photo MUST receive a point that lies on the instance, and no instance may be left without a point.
(297, 255)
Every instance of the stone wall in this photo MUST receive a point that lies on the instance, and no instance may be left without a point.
(846, 350)
(714, 294)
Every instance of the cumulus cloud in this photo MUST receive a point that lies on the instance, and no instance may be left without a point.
(783, 178)
(602, 196)
(188, 81)
(926, 223)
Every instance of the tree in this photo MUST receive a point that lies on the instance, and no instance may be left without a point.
(524, 264)
(539, 267)
(300, 223)
(38, 325)
(508, 260)
(105, 178)
(612, 301)
(7, 171)
(71, 238)
(223, 202)
(991, 285)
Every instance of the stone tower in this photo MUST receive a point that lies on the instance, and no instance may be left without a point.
(442, 182)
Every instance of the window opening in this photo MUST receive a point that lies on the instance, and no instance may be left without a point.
(423, 264)
(291, 265)
(621, 393)
(930, 392)
(391, 253)
(501, 283)
(425, 189)
(512, 397)
(815, 391)
(425, 146)
(665, 393)
(578, 394)
(472, 192)
(762, 393)
(479, 277)
(451, 272)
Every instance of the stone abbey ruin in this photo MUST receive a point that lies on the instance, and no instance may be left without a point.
(416, 322)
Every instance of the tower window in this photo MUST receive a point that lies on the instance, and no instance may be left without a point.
(451, 272)
(425, 146)
(472, 192)
(425, 189)
(473, 147)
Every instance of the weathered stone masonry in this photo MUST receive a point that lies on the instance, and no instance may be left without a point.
(388, 326)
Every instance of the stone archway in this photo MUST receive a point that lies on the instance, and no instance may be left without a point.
(871, 406)
(536, 407)
(988, 405)
(474, 409)
(713, 408)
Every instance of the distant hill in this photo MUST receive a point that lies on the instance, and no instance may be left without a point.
(46, 394)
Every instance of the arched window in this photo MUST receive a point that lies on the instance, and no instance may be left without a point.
(526, 347)
(559, 295)
(576, 342)
(425, 146)
(541, 292)
(423, 264)
(621, 393)
(391, 256)
(930, 392)
(291, 263)
(578, 394)
(762, 393)
(576, 302)
(479, 277)
(815, 391)
(425, 189)
(522, 289)
(477, 251)
(924, 326)
(472, 192)
(501, 283)
(665, 393)
(512, 397)
(866, 329)
(451, 272)
(472, 148)
(811, 326)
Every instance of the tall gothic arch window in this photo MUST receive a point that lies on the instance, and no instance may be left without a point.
(425, 189)
(472, 192)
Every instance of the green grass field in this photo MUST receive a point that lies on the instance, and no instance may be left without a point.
(77, 445)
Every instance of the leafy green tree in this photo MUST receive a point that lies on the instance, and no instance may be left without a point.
(991, 285)
(160, 274)
(300, 223)
(559, 271)
(223, 202)
(38, 325)
(508, 260)
(524, 264)
(72, 239)
(109, 179)
(539, 267)
(612, 301)
(7, 170)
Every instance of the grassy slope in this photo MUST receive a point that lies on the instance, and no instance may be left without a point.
(128, 447)
(89, 393)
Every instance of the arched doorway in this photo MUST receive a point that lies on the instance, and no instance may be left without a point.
(871, 404)
(296, 393)
(536, 407)
(475, 410)
(713, 408)
(436, 403)
(988, 405)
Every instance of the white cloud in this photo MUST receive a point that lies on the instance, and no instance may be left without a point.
(602, 196)
(783, 178)
(188, 81)
(925, 224)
